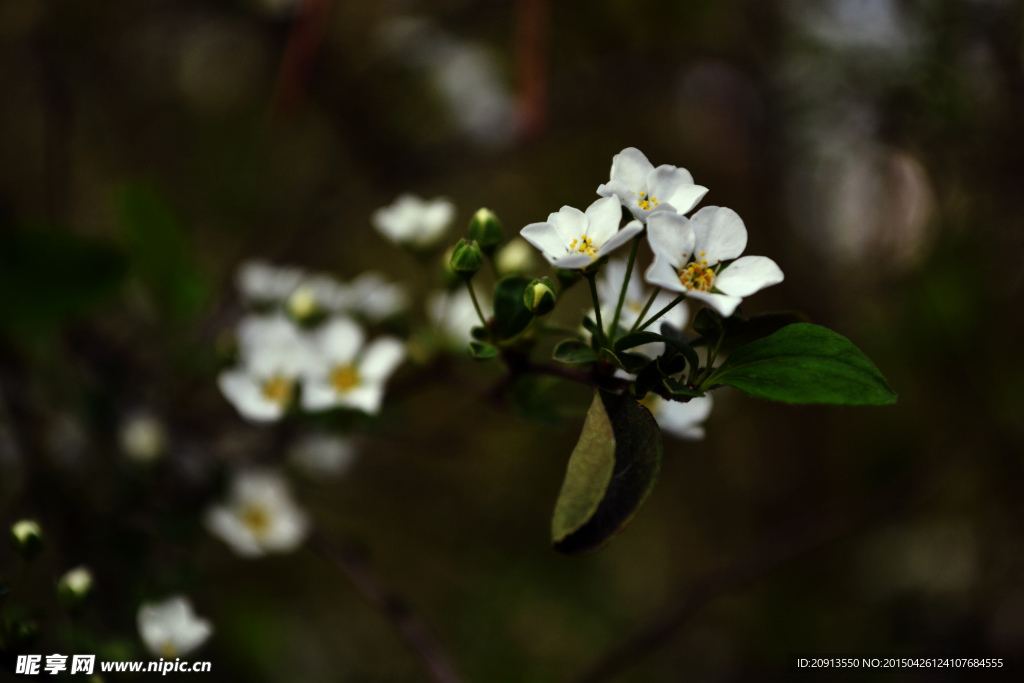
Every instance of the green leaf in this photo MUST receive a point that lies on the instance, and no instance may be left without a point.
(480, 333)
(590, 326)
(48, 276)
(160, 253)
(633, 362)
(511, 316)
(678, 390)
(804, 363)
(674, 339)
(635, 339)
(573, 351)
(482, 351)
(610, 473)
(744, 331)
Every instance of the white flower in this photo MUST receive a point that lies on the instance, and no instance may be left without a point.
(260, 516)
(350, 373)
(411, 221)
(681, 420)
(454, 315)
(689, 256)
(261, 283)
(274, 354)
(171, 628)
(76, 582)
(609, 285)
(316, 294)
(322, 454)
(574, 239)
(143, 437)
(515, 257)
(373, 297)
(644, 189)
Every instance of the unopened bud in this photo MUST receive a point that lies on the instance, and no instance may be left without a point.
(467, 259)
(27, 537)
(302, 305)
(485, 228)
(74, 587)
(515, 257)
(540, 296)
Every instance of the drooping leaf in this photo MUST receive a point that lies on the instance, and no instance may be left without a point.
(633, 362)
(610, 473)
(573, 351)
(805, 363)
(49, 276)
(511, 316)
(161, 255)
(482, 351)
(678, 390)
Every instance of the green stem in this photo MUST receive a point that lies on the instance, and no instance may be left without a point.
(601, 339)
(476, 304)
(625, 283)
(662, 312)
(647, 307)
(712, 355)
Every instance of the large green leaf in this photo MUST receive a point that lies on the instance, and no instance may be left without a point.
(511, 316)
(48, 276)
(160, 253)
(573, 351)
(804, 363)
(610, 473)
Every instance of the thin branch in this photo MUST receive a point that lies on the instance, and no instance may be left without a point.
(391, 606)
(299, 55)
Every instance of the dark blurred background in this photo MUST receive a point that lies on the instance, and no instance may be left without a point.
(874, 149)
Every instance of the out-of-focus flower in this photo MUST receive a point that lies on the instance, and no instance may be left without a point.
(515, 257)
(453, 314)
(412, 222)
(349, 372)
(373, 297)
(609, 285)
(259, 282)
(315, 295)
(573, 239)
(321, 454)
(260, 516)
(143, 437)
(644, 189)
(74, 586)
(274, 354)
(27, 538)
(688, 258)
(681, 420)
(171, 628)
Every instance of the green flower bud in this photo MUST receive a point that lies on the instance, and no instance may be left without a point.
(450, 277)
(485, 228)
(74, 587)
(540, 296)
(302, 305)
(467, 259)
(28, 538)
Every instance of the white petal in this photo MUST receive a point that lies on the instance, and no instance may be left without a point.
(683, 420)
(222, 522)
(631, 167)
(572, 261)
(340, 340)
(603, 218)
(571, 223)
(366, 398)
(545, 237)
(747, 275)
(720, 233)
(671, 236)
(381, 358)
(318, 394)
(288, 531)
(628, 232)
(674, 186)
(724, 304)
(618, 189)
(245, 394)
(662, 274)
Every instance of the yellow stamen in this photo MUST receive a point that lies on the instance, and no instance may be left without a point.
(647, 202)
(278, 389)
(345, 378)
(255, 519)
(586, 246)
(168, 650)
(697, 276)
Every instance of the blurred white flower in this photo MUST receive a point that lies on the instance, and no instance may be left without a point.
(75, 584)
(574, 239)
(350, 373)
(143, 437)
(644, 189)
(260, 516)
(515, 257)
(373, 297)
(453, 314)
(274, 354)
(316, 294)
(609, 285)
(411, 221)
(171, 628)
(681, 420)
(322, 454)
(689, 253)
(259, 282)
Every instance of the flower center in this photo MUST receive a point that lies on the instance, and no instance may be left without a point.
(583, 245)
(646, 201)
(278, 389)
(344, 378)
(650, 400)
(255, 519)
(168, 650)
(697, 275)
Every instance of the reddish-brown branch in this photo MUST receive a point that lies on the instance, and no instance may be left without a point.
(531, 62)
(299, 55)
